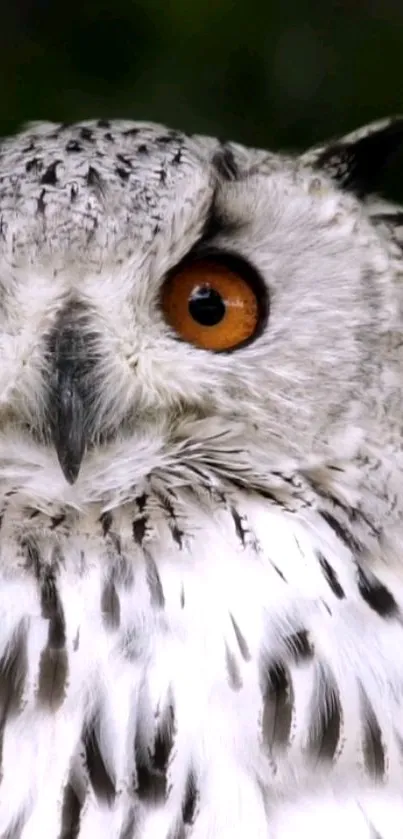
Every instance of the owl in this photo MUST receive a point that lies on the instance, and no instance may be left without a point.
(201, 487)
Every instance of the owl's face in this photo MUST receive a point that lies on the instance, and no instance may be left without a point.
(184, 305)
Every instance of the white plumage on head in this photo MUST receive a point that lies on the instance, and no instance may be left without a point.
(201, 581)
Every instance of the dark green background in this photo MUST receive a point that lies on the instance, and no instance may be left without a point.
(274, 74)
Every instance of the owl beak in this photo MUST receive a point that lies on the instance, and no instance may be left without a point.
(68, 426)
(71, 363)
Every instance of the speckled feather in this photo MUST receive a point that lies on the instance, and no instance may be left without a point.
(200, 635)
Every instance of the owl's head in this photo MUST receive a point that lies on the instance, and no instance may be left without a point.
(199, 310)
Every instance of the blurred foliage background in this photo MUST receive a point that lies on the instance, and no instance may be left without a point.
(271, 73)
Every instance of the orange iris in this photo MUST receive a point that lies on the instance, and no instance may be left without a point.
(211, 305)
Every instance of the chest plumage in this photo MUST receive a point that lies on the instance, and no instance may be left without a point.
(189, 668)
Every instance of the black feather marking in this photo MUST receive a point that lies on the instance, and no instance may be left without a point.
(13, 671)
(74, 190)
(71, 813)
(395, 219)
(154, 582)
(130, 132)
(351, 513)
(330, 576)
(152, 768)
(341, 532)
(278, 703)
(243, 647)
(164, 139)
(357, 164)
(123, 158)
(86, 134)
(34, 165)
(300, 646)
(110, 605)
(176, 532)
(123, 174)
(53, 670)
(53, 664)
(234, 676)
(49, 177)
(164, 741)
(95, 182)
(326, 720)
(139, 528)
(52, 610)
(280, 573)
(141, 502)
(129, 825)
(225, 164)
(372, 745)
(240, 528)
(121, 567)
(150, 786)
(177, 157)
(56, 521)
(190, 800)
(106, 521)
(376, 595)
(73, 146)
(100, 779)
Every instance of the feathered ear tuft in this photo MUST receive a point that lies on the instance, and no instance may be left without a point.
(355, 162)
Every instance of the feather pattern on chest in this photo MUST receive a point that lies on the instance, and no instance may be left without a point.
(175, 667)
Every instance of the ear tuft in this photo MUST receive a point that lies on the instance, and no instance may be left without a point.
(356, 162)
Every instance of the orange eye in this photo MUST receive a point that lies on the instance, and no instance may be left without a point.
(212, 303)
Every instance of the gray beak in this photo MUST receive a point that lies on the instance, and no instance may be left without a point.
(68, 396)
(68, 427)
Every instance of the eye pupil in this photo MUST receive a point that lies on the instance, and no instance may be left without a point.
(206, 306)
